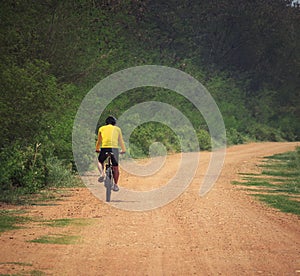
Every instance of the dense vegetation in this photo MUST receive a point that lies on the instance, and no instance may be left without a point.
(247, 54)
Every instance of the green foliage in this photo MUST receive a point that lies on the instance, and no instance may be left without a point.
(24, 101)
(289, 125)
(240, 36)
(32, 104)
(58, 175)
(234, 137)
(204, 139)
(27, 169)
(244, 40)
(260, 132)
(22, 167)
(231, 99)
(149, 133)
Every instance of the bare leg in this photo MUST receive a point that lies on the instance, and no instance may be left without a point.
(116, 174)
(101, 171)
(100, 168)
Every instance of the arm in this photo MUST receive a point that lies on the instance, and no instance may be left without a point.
(121, 142)
(99, 142)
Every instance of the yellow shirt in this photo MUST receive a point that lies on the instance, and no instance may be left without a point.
(110, 136)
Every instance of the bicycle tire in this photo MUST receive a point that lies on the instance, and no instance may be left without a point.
(108, 184)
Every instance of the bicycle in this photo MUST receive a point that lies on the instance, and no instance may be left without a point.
(109, 179)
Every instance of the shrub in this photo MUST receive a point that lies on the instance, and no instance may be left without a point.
(57, 173)
(204, 139)
(234, 137)
(28, 169)
(264, 133)
(22, 167)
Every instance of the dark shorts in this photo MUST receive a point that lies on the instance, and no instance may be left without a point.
(114, 158)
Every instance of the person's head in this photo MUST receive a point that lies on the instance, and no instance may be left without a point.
(110, 120)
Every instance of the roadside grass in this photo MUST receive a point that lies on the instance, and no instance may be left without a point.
(57, 239)
(15, 263)
(62, 238)
(64, 222)
(9, 220)
(21, 196)
(278, 184)
(22, 265)
(282, 202)
(46, 197)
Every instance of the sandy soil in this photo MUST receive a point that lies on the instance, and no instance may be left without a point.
(226, 232)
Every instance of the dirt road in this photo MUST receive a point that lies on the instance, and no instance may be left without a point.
(227, 232)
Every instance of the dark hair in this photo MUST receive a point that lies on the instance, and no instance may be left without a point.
(110, 120)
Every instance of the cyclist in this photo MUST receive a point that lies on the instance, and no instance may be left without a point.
(109, 139)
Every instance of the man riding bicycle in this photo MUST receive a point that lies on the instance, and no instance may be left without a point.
(109, 139)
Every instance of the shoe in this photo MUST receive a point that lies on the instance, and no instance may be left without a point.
(101, 179)
(116, 188)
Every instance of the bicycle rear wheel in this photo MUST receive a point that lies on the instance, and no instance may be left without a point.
(108, 184)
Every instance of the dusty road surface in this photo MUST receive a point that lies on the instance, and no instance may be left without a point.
(226, 232)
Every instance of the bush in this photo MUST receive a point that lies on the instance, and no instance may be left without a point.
(264, 133)
(57, 174)
(28, 169)
(22, 168)
(150, 133)
(234, 137)
(204, 139)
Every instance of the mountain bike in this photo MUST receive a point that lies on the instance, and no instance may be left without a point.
(109, 179)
